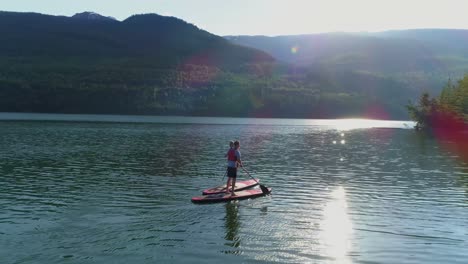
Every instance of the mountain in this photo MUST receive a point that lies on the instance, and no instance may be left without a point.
(152, 64)
(146, 64)
(92, 16)
(164, 39)
(431, 56)
(387, 68)
(438, 41)
(389, 47)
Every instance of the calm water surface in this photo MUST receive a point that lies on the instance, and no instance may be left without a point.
(117, 189)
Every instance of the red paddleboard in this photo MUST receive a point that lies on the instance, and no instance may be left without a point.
(224, 197)
(240, 185)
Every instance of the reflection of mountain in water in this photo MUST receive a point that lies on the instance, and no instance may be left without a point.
(232, 228)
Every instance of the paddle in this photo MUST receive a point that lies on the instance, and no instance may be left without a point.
(225, 172)
(264, 189)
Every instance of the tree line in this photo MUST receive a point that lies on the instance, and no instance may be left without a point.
(132, 86)
(449, 110)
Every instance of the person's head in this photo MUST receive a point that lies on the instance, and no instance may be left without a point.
(236, 144)
(231, 144)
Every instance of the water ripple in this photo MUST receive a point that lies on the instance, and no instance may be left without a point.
(120, 193)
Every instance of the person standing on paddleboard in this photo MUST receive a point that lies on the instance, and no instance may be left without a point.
(231, 146)
(234, 160)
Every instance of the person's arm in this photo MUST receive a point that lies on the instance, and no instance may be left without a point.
(239, 161)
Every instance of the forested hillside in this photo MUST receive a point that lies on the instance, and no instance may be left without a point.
(151, 64)
(418, 59)
(146, 64)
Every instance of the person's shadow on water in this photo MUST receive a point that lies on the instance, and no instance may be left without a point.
(232, 228)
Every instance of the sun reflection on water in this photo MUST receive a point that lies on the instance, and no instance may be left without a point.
(336, 228)
(348, 124)
(358, 123)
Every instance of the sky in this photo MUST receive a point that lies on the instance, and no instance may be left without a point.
(271, 17)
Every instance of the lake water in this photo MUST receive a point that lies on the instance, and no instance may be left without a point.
(117, 189)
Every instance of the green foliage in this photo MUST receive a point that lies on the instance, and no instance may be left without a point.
(452, 101)
(422, 112)
(135, 86)
(150, 64)
(454, 98)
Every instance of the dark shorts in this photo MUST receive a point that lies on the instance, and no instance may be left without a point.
(231, 172)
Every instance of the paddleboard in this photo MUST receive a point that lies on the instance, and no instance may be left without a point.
(240, 185)
(224, 197)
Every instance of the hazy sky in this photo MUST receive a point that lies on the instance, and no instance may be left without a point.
(271, 17)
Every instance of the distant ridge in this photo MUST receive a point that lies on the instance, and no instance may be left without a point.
(395, 51)
(92, 16)
(167, 41)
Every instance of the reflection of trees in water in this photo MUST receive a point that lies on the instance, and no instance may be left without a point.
(421, 141)
(455, 146)
(463, 178)
(172, 151)
(232, 228)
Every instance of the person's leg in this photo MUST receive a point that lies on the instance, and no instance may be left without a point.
(233, 181)
(228, 184)
(230, 174)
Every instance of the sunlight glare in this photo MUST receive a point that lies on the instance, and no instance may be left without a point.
(336, 227)
(357, 123)
(348, 124)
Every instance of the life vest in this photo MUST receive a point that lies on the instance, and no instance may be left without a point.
(232, 155)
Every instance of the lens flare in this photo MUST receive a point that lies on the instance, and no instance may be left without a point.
(451, 132)
(294, 49)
